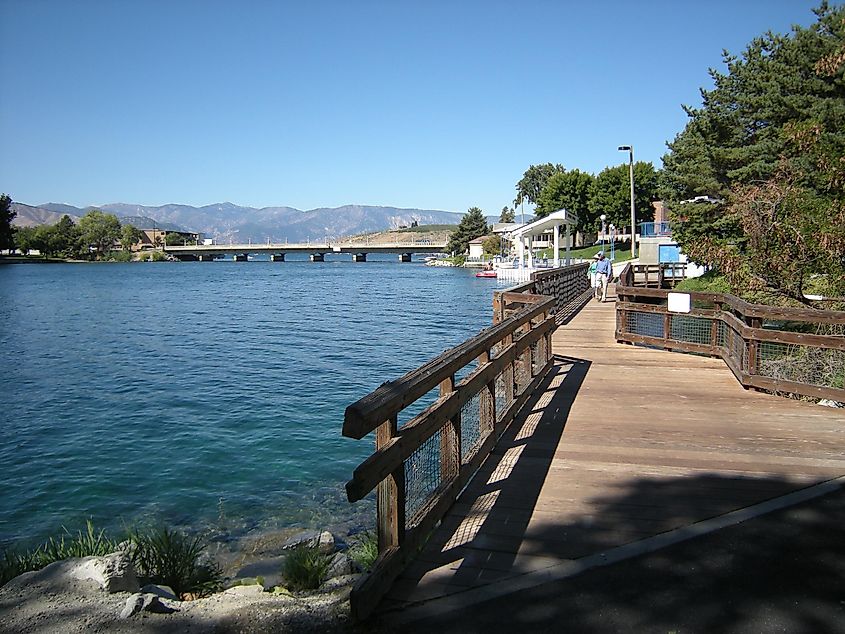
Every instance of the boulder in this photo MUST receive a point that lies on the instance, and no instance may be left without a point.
(163, 592)
(339, 566)
(113, 572)
(144, 602)
(323, 540)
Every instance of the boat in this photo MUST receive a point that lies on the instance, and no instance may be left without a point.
(486, 274)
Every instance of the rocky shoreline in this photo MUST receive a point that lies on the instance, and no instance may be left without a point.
(103, 594)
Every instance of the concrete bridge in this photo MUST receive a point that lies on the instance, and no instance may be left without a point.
(315, 250)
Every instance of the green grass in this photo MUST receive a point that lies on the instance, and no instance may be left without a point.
(306, 567)
(710, 282)
(364, 550)
(84, 544)
(160, 556)
(172, 558)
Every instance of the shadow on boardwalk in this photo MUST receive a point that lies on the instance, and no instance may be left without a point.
(783, 571)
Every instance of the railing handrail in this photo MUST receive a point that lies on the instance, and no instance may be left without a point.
(508, 361)
(746, 342)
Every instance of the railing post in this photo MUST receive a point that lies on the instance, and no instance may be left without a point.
(450, 438)
(753, 322)
(390, 500)
(487, 400)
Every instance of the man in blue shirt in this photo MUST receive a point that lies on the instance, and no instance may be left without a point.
(604, 271)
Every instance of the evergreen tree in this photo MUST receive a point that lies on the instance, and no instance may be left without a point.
(507, 215)
(7, 233)
(473, 225)
(768, 141)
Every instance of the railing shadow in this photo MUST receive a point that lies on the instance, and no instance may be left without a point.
(514, 472)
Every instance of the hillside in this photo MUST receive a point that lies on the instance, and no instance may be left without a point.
(227, 222)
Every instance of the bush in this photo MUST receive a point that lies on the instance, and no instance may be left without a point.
(710, 282)
(305, 568)
(364, 550)
(172, 558)
(120, 256)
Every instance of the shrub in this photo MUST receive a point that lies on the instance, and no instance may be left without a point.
(171, 558)
(305, 568)
(364, 550)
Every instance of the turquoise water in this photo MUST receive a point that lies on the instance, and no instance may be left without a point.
(205, 395)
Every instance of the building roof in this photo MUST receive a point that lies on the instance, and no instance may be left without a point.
(538, 227)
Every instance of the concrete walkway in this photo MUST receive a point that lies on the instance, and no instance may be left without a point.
(627, 450)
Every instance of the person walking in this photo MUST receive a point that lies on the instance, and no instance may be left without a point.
(591, 273)
(604, 271)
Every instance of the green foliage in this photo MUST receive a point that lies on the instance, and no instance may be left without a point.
(172, 558)
(492, 245)
(119, 256)
(473, 225)
(305, 568)
(610, 194)
(7, 233)
(566, 190)
(710, 282)
(129, 236)
(768, 140)
(364, 550)
(83, 544)
(507, 215)
(533, 181)
(99, 230)
(173, 239)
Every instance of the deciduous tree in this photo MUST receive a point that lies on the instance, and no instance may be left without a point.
(610, 194)
(533, 181)
(7, 240)
(130, 235)
(100, 230)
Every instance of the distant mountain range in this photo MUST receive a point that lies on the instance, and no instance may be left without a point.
(226, 222)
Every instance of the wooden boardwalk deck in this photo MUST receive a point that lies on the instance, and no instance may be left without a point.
(624, 443)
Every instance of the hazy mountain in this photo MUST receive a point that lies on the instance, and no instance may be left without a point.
(227, 222)
(29, 216)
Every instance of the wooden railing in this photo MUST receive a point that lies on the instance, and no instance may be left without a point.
(663, 275)
(455, 408)
(569, 285)
(779, 350)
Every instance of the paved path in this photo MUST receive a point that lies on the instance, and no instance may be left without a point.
(657, 447)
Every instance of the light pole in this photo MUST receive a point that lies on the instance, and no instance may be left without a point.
(612, 243)
(602, 218)
(630, 150)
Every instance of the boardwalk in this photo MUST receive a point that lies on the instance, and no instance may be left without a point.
(654, 442)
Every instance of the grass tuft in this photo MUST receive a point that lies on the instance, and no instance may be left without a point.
(364, 550)
(306, 567)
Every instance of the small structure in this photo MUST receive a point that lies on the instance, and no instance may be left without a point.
(526, 235)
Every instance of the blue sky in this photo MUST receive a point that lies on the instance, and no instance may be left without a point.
(428, 104)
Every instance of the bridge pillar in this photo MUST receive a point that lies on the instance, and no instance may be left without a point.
(240, 257)
(404, 257)
(277, 257)
(359, 257)
(206, 257)
(318, 257)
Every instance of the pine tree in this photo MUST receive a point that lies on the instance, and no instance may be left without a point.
(473, 225)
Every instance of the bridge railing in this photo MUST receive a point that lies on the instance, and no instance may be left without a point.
(569, 285)
(436, 425)
(781, 350)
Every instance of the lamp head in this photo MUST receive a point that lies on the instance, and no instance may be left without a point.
(624, 148)
(602, 217)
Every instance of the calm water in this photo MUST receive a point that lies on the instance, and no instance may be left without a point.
(205, 395)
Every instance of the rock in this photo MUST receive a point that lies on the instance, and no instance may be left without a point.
(324, 540)
(336, 583)
(826, 402)
(339, 566)
(165, 592)
(269, 571)
(144, 602)
(114, 572)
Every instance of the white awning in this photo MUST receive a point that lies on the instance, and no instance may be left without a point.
(558, 218)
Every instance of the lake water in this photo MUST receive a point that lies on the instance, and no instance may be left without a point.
(205, 395)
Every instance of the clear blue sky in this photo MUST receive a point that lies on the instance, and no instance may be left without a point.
(431, 104)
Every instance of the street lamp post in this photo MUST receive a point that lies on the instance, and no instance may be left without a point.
(612, 243)
(602, 218)
(630, 150)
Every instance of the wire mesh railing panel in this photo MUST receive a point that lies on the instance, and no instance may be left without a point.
(646, 324)
(504, 391)
(471, 431)
(522, 371)
(721, 333)
(426, 469)
(801, 364)
(690, 329)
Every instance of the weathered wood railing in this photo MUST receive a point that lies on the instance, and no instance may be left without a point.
(457, 406)
(663, 275)
(569, 285)
(768, 348)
